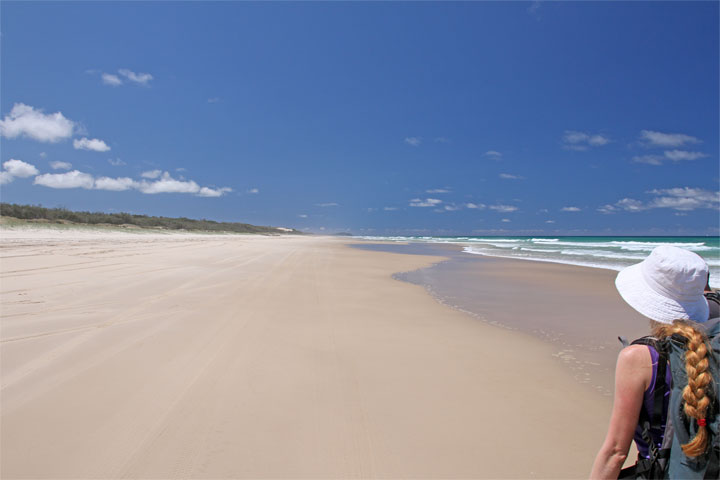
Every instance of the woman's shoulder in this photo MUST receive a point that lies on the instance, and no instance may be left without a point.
(635, 365)
(636, 354)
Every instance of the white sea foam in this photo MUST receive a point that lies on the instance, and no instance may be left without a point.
(495, 240)
(601, 253)
(605, 266)
(563, 243)
(596, 252)
(649, 246)
(540, 250)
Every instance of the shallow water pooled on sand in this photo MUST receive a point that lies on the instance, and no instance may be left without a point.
(576, 309)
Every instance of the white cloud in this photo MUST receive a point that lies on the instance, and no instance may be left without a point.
(43, 154)
(493, 154)
(659, 139)
(16, 169)
(570, 209)
(685, 198)
(164, 184)
(254, 191)
(213, 192)
(451, 208)
(413, 141)
(598, 140)
(549, 221)
(116, 163)
(679, 199)
(649, 159)
(94, 144)
(24, 120)
(475, 206)
(574, 137)
(442, 140)
(503, 208)
(508, 176)
(110, 79)
(573, 140)
(631, 205)
(390, 209)
(680, 155)
(438, 190)
(330, 204)
(73, 179)
(151, 174)
(19, 169)
(117, 80)
(60, 165)
(167, 184)
(627, 204)
(302, 215)
(674, 155)
(428, 202)
(505, 220)
(213, 100)
(115, 184)
(139, 78)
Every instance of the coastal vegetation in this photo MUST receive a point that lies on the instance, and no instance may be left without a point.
(39, 214)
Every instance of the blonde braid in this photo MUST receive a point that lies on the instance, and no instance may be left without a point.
(695, 392)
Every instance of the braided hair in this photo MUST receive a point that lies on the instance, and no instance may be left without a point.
(695, 394)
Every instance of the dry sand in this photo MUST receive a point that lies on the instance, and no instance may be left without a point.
(192, 356)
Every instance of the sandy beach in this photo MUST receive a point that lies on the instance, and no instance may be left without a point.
(228, 356)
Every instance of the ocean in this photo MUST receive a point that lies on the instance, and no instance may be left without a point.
(613, 253)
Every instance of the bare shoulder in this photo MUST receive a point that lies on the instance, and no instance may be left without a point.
(634, 367)
(635, 356)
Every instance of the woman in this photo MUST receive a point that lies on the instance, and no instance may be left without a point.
(665, 287)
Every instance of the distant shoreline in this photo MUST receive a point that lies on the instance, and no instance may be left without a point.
(14, 215)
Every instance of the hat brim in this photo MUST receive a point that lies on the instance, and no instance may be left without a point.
(633, 288)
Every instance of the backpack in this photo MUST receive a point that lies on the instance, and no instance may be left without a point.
(713, 299)
(669, 461)
(712, 296)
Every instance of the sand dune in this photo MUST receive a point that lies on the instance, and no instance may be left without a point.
(192, 356)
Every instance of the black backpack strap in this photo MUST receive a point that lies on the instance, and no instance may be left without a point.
(649, 340)
(653, 468)
(661, 388)
(654, 422)
(713, 297)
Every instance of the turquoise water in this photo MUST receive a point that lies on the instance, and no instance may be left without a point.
(614, 253)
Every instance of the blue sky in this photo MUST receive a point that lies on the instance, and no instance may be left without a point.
(378, 118)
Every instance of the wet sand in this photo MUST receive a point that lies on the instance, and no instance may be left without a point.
(575, 309)
(191, 356)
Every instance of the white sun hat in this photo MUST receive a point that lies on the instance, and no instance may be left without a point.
(668, 285)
